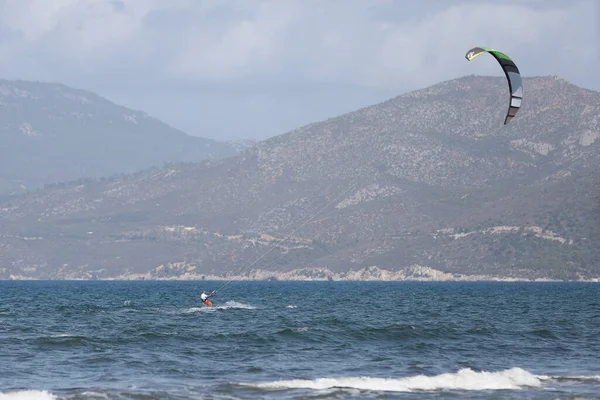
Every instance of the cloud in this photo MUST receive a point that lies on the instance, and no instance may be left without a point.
(264, 47)
(346, 41)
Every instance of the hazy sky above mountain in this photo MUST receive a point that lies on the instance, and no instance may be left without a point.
(253, 69)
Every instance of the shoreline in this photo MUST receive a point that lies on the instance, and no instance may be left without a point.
(414, 273)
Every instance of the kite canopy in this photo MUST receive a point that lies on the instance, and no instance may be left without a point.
(513, 76)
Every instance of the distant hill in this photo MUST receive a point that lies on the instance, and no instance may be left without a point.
(52, 133)
(427, 184)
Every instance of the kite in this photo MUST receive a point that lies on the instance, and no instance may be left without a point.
(515, 85)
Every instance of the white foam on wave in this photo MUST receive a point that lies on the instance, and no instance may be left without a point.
(226, 306)
(465, 379)
(27, 395)
(234, 304)
(291, 306)
(95, 394)
(196, 309)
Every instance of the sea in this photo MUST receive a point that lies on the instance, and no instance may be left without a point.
(299, 340)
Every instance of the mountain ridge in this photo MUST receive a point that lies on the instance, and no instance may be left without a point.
(52, 132)
(439, 184)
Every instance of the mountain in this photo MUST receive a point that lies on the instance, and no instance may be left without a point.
(242, 145)
(427, 185)
(51, 133)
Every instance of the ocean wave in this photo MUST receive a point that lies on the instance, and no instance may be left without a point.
(66, 335)
(465, 379)
(292, 331)
(62, 340)
(235, 304)
(156, 335)
(226, 306)
(393, 331)
(246, 337)
(95, 395)
(87, 308)
(192, 310)
(27, 395)
(543, 333)
(583, 379)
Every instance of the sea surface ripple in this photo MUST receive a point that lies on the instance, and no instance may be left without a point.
(288, 340)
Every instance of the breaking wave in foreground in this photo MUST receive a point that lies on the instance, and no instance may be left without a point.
(28, 395)
(465, 379)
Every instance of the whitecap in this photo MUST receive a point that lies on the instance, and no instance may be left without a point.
(464, 379)
(234, 304)
(27, 395)
(196, 309)
(226, 306)
(95, 394)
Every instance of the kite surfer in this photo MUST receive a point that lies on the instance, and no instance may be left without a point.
(204, 297)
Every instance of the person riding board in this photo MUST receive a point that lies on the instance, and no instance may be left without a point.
(204, 297)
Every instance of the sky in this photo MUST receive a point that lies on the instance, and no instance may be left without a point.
(252, 69)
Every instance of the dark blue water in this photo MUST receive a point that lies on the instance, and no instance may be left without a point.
(318, 340)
